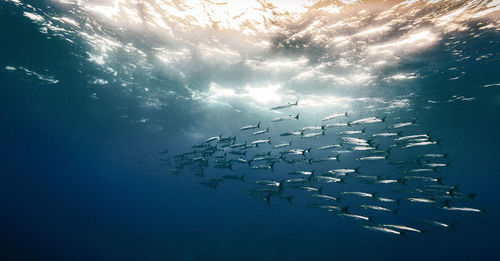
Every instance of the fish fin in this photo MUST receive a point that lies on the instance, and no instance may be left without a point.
(297, 116)
(338, 157)
(272, 166)
(383, 118)
(297, 102)
(258, 125)
(345, 209)
(230, 166)
(423, 231)
(356, 170)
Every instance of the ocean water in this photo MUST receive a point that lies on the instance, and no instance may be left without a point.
(92, 91)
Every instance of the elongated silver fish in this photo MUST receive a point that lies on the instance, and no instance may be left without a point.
(292, 133)
(326, 147)
(333, 116)
(411, 137)
(385, 134)
(421, 200)
(372, 158)
(282, 145)
(465, 209)
(351, 132)
(358, 193)
(332, 158)
(301, 172)
(256, 142)
(400, 227)
(287, 105)
(379, 208)
(260, 132)
(284, 118)
(312, 128)
(325, 206)
(339, 124)
(418, 144)
(251, 127)
(383, 229)
(366, 121)
(356, 216)
(311, 135)
(326, 197)
(402, 124)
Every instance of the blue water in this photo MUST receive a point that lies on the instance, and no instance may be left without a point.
(80, 179)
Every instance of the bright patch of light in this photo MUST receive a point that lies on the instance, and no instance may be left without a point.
(264, 94)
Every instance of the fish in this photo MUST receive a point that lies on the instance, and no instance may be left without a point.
(239, 160)
(465, 209)
(287, 105)
(213, 138)
(326, 147)
(327, 207)
(356, 216)
(308, 188)
(363, 148)
(435, 165)
(400, 227)
(328, 179)
(351, 132)
(238, 145)
(411, 137)
(301, 172)
(297, 151)
(311, 135)
(312, 128)
(343, 171)
(283, 145)
(372, 158)
(436, 223)
(386, 134)
(326, 197)
(379, 208)
(402, 124)
(296, 181)
(423, 143)
(264, 166)
(383, 229)
(227, 139)
(333, 116)
(419, 170)
(292, 133)
(339, 124)
(270, 183)
(382, 199)
(433, 155)
(358, 193)
(421, 200)
(260, 132)
(331, 158)
(284, 118)
(251, 127)
(257, 142)
(366, 121)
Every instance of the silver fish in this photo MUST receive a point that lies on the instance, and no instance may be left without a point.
(373, 158)
(400, 227)
(260, 132)
(283, 145)
(287, 105)
(284, 118)
(383, 229)
(402, 124)
(250, 127)
(329, 147)
(333, 116)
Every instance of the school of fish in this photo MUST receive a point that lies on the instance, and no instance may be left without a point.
(366, 169)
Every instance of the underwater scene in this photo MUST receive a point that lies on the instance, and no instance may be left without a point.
(250, 130)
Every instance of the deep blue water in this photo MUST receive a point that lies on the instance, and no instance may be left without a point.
(79, 182)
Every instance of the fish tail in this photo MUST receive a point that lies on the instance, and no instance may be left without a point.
(395, 211)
